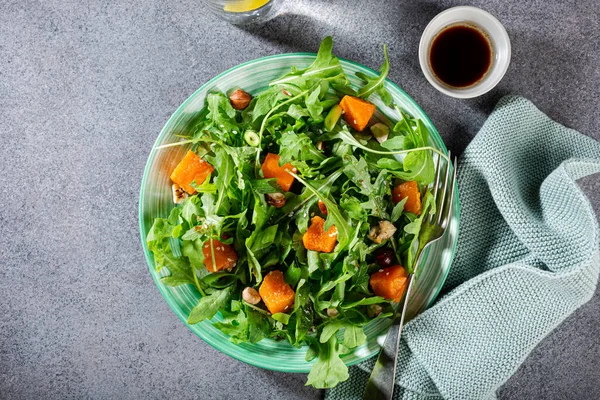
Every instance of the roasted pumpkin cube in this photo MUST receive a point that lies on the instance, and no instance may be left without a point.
(389, 283)
(317, 239)
(191, 168)
(357, 112)
(225, 256)
(410, 190)
(277, 295)
(271, 169)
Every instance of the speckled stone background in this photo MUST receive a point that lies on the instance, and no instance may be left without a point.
(85, 87)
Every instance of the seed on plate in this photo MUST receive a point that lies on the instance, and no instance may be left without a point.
(251, 296)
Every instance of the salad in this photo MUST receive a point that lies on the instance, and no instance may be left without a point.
(298, 210)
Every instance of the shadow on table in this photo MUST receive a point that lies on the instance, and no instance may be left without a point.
(296, 31)
(301, 31)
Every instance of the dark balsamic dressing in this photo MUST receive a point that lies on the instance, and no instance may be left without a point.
(460, 55)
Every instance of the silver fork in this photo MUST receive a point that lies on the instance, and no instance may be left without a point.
(381, 381)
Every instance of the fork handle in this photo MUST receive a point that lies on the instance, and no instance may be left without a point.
(381, 381)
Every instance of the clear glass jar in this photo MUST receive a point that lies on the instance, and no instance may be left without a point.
(242, 12)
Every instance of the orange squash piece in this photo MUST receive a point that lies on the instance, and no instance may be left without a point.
(357, 112)
(390, 283)
(317, 239)
(191, 168)
(225, 256)
(277, 295)
(271, 169)
(408, 189)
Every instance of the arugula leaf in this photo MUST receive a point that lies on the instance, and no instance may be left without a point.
(205, 187)
(192, 249)
(209, 305)
(258, 325)
(298, 147)
(330, 329)
(358, 172)
(377, 83)
(265, 102)
(420, 163)
(234, 324)
(414, 228)
(334, 217)
(354, 336)
(313, 105)
(325, 67)
(297, 112)
(220, 113)
(264, 186)
(261, 239)
(394, 143)
(353, 208)
(365, 301)
(225, 173)
(180, 271)
(329, 370)
(159, 242)
(397, 211)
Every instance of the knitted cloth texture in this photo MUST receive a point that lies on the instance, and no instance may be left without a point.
(528, 256)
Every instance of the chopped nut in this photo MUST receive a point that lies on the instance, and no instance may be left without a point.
(383, 231)
(332, 312)
(322, 207)
(179, 195)
(374, 310)
(277, 200)
(286, 92)
(251, 296)
(239, 99)
(320, 145)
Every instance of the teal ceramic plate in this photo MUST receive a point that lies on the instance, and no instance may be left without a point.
(156, 201)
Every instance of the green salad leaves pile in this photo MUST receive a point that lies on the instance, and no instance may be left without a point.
(350, 172)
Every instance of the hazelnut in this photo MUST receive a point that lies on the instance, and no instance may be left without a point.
(322, 207)
(239, 99)
(251, 296)
(277, 200)
(332, 312)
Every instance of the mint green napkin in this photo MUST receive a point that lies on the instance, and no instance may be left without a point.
(527, 258)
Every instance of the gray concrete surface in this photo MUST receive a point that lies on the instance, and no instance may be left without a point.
(85, 87)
